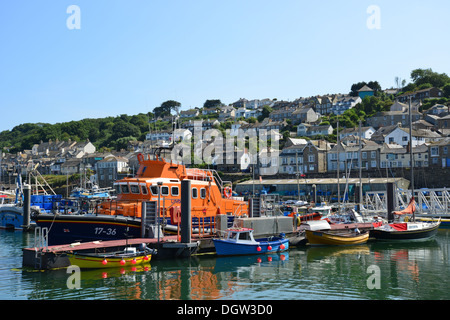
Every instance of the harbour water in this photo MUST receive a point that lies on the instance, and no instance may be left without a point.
(374, 271)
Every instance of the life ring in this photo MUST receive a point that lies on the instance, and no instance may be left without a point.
(140, 157)
(227, 192)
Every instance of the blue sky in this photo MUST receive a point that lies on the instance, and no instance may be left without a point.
(130, 56)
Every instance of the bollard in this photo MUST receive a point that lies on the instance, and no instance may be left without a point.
(26, 206)
(390, 201)
(186, 222)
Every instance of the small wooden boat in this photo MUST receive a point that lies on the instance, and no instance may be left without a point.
(240, 241)
(336, 238)
(127, 257)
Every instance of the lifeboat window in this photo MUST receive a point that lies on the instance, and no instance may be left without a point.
(154, 190)
(117, 187)
(175, 191)
(124, 188)
(144, 190)
(194, 193)
(203, 193)
(134, 188)
(164, 190)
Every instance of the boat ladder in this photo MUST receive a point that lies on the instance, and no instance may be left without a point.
(40, 243)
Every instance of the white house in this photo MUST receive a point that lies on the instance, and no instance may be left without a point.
(108, 169)
(306, 130)
(400, 136)
(344, 103)
(241, 112)
(163, 136)
(235, 128)
(189, 113)
(366, 132)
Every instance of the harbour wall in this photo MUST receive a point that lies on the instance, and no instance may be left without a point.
(424, 177)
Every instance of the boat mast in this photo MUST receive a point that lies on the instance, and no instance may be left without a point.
(411, 157)
(298, 174)
(360, 169)
(338, 165)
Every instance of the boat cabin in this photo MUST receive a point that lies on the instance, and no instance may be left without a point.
(241, 235)
(325, 211)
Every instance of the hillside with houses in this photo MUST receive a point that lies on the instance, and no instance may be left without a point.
(318, 135)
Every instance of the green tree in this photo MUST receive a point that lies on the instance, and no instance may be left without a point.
(266, 111)
(212, 103)
(374, 85)
(446, 90)
(422, 76)
(166, 108)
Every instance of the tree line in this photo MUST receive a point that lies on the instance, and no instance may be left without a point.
(114, 133)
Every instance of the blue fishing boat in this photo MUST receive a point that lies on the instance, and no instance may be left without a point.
(11, 215)
(240, 241)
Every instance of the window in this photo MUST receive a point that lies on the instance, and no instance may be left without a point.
(311, 158)
(124, 188)
(373, 164)
(175, 191)
(164, 190)
(405, 138)
(144, 189)
(373, 154)
(434, 151)
(194, 193)
(203, 193)
(364, 155)
(154, 190)
(134, 188)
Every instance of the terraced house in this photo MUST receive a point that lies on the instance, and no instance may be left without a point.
(305, 156)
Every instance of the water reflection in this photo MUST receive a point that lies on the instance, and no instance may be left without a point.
(408, 270)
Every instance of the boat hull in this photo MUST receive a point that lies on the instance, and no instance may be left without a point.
(65, 229)
(445, 223)
(406, 234)
(326, 238)
(11, 218)
(106, 261)
(227, 248)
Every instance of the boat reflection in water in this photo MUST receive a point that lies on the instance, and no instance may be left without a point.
(408, 271)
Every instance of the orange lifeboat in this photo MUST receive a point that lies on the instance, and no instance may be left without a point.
(160, 180)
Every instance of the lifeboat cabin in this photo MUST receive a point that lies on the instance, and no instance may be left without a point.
(210, 195)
